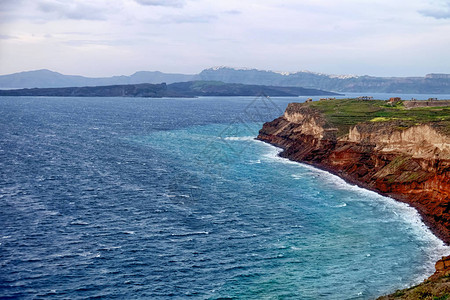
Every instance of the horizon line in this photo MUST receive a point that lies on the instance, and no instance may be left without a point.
(215, 68)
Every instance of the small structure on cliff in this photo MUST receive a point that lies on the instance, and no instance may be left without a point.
(394, 100)
(426, 103)
(365, 98)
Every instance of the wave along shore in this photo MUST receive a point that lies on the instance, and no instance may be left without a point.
(390, 149)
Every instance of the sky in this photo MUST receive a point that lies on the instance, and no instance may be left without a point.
(99, 38)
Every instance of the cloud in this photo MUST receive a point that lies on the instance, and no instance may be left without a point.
(9, 10)
(325, 35)
(72, 10)
(6, 37)
(233, 12)
(192, 19)
(6, 5)
(170, 3)
(442, 12)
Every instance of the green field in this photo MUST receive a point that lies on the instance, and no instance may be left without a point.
(344, 113)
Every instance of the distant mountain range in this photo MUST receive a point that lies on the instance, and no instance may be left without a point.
(50, 79)
(431, 83)
(180, 89)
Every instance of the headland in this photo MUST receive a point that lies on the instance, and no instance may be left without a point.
(400, 149)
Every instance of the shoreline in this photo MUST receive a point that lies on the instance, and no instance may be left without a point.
(358, 184)
(349, 180)
(396, 197)
(445, 240)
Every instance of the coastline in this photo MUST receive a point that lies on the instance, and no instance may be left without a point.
(444, 247)
(404, 155)
(425, 219)
(348, 179)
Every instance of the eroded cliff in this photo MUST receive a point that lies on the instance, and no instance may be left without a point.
(409, 164)
(408, 161)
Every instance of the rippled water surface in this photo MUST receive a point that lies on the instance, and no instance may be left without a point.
(157, 198)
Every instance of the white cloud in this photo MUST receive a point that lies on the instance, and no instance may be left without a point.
(173, 3)
(437, 10)
(77, 10)
(6, 37)
(101, 37)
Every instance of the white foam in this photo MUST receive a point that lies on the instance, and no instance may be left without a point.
(175, 195)
(252, 162)
(239, 138)
(190, 233)
(296, 226)
(169, 195)
(408, 214)
(78, 222)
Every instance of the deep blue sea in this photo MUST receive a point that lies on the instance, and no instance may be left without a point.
(132, 198)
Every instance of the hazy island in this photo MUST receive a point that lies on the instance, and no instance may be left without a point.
(179, 89)
(428, 84)
(397, 148)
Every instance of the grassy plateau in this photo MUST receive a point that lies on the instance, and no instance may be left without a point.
(345, 113)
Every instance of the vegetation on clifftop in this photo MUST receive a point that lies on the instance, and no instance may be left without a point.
(411, 165)
(429, 290)
(401, 170)
(345, 113)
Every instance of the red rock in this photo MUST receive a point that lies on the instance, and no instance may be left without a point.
(422, 181)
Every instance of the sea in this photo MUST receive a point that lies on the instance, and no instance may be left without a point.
(140, 198)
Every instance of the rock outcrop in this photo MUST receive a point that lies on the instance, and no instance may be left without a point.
(442, 268)
(410, 165)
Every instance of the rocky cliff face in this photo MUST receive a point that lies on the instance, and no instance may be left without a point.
(410, 165)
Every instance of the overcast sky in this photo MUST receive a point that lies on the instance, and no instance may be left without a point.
(119, 37)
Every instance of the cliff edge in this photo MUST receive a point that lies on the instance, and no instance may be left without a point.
(399, 152)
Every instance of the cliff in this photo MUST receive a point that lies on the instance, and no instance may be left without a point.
(399, 152)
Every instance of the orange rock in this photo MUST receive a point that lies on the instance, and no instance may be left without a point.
(442, 268)
(415, 176)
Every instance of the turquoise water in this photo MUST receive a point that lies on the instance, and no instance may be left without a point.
(174, 198)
